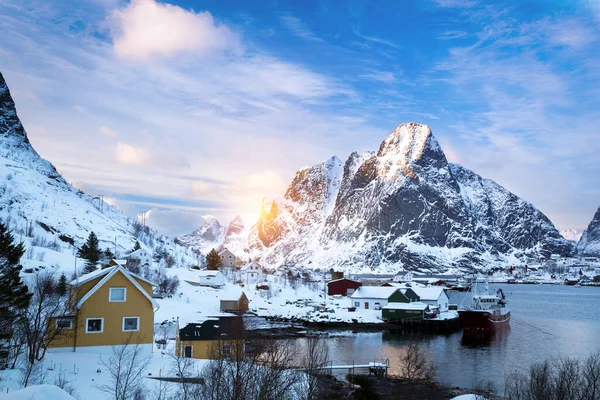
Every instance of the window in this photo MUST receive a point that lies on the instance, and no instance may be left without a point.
(94, 325)
(187, 351)
(131, 324)
(357, 304)
(64, 323)
(117, 294)
(226, 349)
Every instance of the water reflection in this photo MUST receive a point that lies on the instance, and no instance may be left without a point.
(475, 340)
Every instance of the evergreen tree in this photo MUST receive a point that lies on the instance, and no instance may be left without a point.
(108, 255)
(14, 295)
(136, 246)
(61, 287)
(213, 260)
(90, 252)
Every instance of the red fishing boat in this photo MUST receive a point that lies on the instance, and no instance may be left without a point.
(487, 313)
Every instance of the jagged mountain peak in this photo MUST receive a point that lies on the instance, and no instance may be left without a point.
(409, 145)
(236, 226)
(589, 243)
(10, 125)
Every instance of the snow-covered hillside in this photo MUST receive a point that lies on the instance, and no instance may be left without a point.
(52, 217)
(404, 207)
(589, 243)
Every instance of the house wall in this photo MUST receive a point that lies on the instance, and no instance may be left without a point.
(217, 280)
(98, 306)
(205, 349)
(228, 259)
(402, 315)
(235, 305)
(398, 297)
(372, 303)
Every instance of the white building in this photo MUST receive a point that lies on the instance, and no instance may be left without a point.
(371, 297)
(211, 278)
(252, 271)
(228, 259)
(143, 255)
(434, 296)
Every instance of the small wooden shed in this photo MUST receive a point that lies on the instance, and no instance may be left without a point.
(235, 303)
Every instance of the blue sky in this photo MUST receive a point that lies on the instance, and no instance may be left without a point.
(190, 108)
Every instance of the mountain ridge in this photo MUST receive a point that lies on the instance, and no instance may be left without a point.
(402, 207)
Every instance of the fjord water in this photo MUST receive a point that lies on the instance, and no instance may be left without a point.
(547, 321)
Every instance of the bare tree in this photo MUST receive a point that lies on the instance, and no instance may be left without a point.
(125, 367)
(415, 364)
(559, 379)
(39, 328)
(189, 378)
(315, 356)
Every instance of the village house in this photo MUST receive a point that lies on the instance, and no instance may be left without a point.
(211, 339)
(144, 257)
(228, 259)
(342, 286)
(233, 300)
(107, 307)
(211, 278)
(251, 272)
(376, 297)
(435, 296)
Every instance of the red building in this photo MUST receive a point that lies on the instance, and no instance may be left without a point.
(342, 286)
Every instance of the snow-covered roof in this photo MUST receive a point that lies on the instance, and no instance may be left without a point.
(135, 253)
(39, 392)
(373, 292)
(100, 272)
(428, 293)
(111, 272)
(250, 264)
(90, 276)
(406, 306)
(230, 293)
(208, 272)
(341, 279)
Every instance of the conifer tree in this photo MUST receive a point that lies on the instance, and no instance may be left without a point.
(136, 246)
(61, 286)
(213, 260)
(108, 255)
(14, 295)
(90, 252)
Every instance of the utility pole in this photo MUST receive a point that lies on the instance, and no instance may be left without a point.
(115, 247)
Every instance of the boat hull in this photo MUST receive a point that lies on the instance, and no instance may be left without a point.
(483, 321)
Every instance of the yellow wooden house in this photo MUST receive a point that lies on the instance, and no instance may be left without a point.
(211, 339)
(107, 307)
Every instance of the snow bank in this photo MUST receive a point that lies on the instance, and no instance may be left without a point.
(40, 392)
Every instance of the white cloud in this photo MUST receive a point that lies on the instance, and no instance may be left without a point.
(107, 131)
(300, 29)
(146, 29)
(173, 222)
(130, 155)
(380, 76)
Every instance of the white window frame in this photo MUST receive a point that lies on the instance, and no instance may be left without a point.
(110, 290)
(131, 330)
(357, 304)
(56, 327)
(101, 325)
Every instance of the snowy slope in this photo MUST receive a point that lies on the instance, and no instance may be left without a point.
(589, 243)
(403, 207)
(51, 216)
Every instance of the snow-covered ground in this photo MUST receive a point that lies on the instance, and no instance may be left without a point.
(81, 370)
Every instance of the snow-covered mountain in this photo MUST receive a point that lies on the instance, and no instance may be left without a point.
(51, 216)
(403, 207)
(571, 234)
(589, 243)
